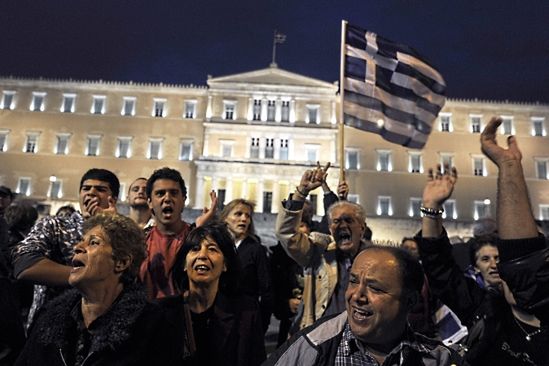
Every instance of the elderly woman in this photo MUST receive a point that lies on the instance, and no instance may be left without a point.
(484, 257)
(105, 319)
(226, 327)
(255, 279)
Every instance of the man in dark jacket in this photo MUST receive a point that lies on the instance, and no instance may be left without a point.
(503, 330)
(384, 285)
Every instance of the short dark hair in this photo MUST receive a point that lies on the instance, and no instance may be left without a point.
(166, 173)
(125, 238)
(20, 216)
(475, 245)
(69, 208)
(105, 176)
(407, 238)
(411, 272)
(228, 282)
(231, 205)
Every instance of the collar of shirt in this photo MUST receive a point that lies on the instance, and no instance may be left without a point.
(351, 344)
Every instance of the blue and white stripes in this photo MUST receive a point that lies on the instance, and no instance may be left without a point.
(389, 89)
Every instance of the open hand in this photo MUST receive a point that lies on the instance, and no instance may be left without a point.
(492, 150)
(439, 186)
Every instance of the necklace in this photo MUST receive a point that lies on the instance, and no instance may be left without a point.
(528, 336)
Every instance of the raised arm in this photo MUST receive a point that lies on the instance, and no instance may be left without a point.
(514, 214)
(438, 189)
(297, 244)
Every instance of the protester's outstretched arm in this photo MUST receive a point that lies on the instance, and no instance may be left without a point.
(438, 189)
(514, 214)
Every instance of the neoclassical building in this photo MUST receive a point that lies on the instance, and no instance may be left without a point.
(252, 135)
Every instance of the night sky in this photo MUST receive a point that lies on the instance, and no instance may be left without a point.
(486, 49)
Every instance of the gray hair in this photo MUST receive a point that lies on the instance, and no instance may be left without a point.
(359, 210)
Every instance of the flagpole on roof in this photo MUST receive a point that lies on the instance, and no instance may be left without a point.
(341, 92)
(278, 38)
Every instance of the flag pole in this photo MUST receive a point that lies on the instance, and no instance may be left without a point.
(273, 63)
(341, 89)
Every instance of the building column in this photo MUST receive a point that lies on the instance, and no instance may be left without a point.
(334, 113)
(228, 190)
(209, 109)
(199, 193)
(259, 206)
(250, 109)
(264, 103)
(292, 111)
(245, 189)
(276, 197)
(278, 110)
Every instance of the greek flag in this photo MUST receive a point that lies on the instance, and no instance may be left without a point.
(389, 89)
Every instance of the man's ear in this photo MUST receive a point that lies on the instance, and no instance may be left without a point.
(121, 264)
(149, 202)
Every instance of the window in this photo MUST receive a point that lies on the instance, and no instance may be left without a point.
(544, 212)
(123, 147)
(228, 110)
(31, 145)
(285, 111)
(98, 104)
(190, 109)
(284, 149)
(256, 113)
(354, 198)
(271, 110)
(24, 186)
(155, 149)
(68, 103)
(507, 125)
(269, 148)
(312, 114)
(450, 210)
(446, 160)
(415, 204)
(186, 150)
(311, 152)
(55, 191)
(476, 123)
(384, 163)
(384, 207)
(415, 162)
(541, 168)
(538, 127)
(267, 202)
(482, 209)
(37, 103)
(254, 148)
(159, 108)
(479, 167)
(62, 145)
(92, 146)
(351, 159)
(4, 140)
(128, 106)
(8, 99)
(226, 148)
(446, 122)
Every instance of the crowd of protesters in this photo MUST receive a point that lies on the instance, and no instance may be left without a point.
(90, 286)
